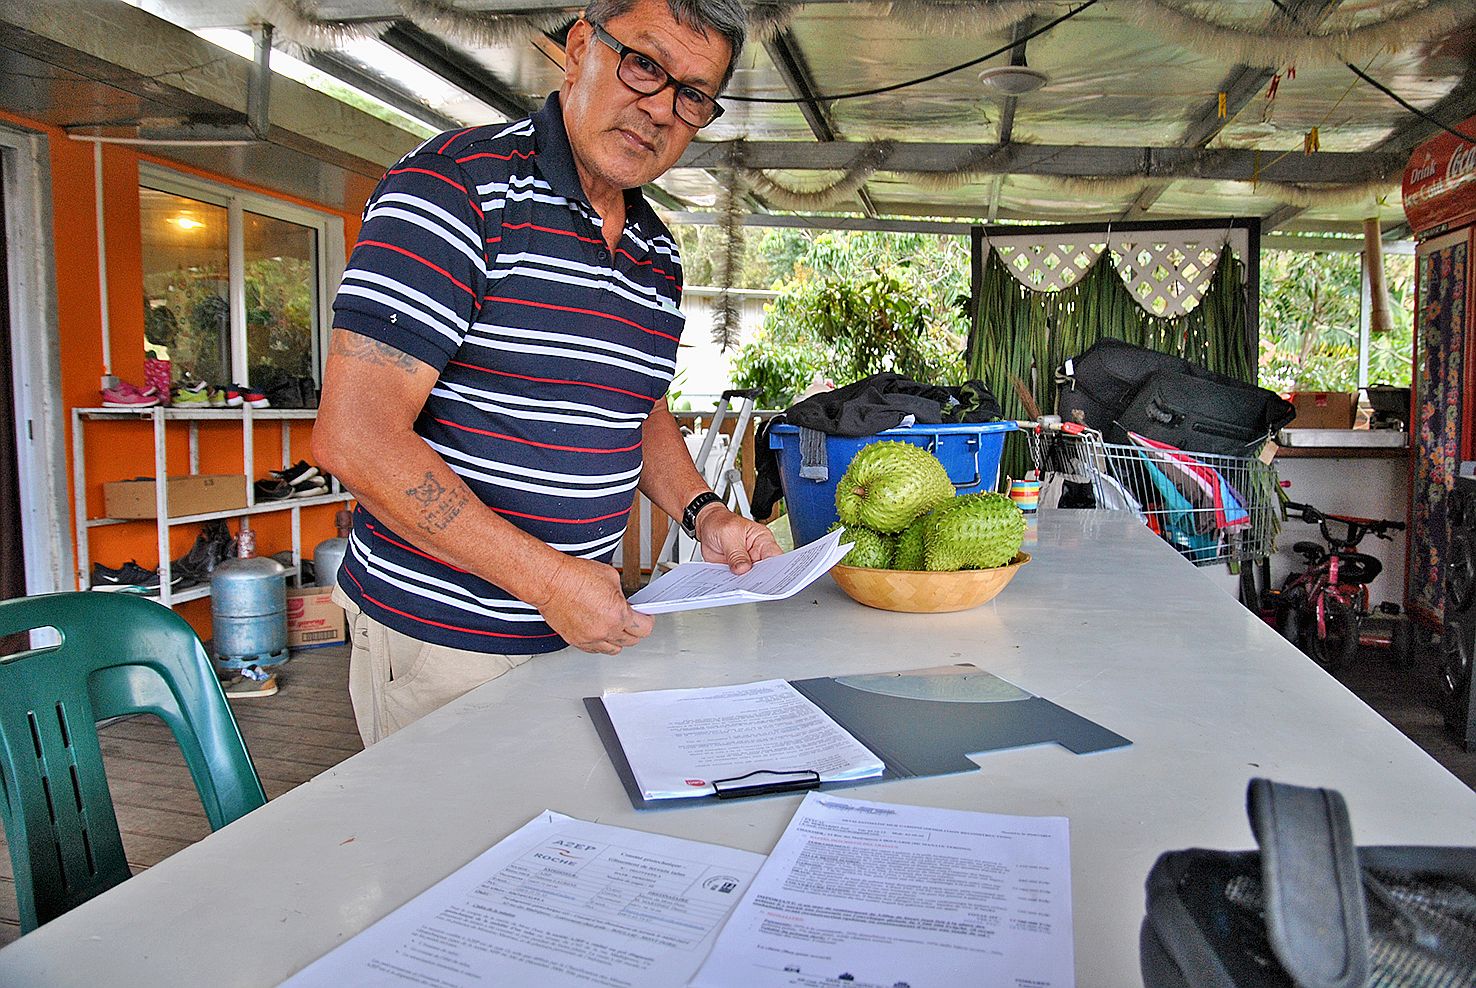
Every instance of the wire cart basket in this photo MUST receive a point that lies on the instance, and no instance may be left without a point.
(1210, 507)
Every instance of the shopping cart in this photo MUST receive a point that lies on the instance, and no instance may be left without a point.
(1210, 507)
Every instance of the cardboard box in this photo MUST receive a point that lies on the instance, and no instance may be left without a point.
(192, 495)
(313, 619)
(1324, 409)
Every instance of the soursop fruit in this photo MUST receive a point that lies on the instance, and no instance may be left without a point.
(888, 484)
(909, 554)
(974, 531)
(872, 548)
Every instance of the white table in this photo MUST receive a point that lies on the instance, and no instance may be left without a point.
(1107, 621)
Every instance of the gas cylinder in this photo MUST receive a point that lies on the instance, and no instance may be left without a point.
(248, 603)
(328, 554)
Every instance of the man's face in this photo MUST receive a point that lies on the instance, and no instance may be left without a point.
(621, 139)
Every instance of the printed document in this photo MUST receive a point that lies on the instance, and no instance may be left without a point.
(678, 741)
(875, 895)
(690, 586)
(560, 902)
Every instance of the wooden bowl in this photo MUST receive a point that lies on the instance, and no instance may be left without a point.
(919, 592)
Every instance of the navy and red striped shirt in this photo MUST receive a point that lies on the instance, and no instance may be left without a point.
(481, 256)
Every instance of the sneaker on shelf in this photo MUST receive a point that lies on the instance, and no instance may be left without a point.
(299, 473)
(130, 577)
(218, 397)
(316, 487)
(273, 490)
(125, 395)
(212, 545)
(238, 395)
(193, 395)
(246, 686)
(286, 394)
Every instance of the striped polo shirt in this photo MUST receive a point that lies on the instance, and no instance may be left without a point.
(481, 256)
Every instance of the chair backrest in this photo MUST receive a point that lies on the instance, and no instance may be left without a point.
(119, 654)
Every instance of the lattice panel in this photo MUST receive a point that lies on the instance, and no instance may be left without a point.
(1167, 279)
(1167, 272)
(1047, 267)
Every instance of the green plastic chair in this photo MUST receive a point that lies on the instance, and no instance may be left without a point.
(119, 654)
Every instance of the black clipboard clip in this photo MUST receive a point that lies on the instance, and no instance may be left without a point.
(771, 782)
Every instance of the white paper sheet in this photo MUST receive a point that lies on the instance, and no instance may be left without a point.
(678, 741)
(560, 902)
(878, 895)
(690, 586)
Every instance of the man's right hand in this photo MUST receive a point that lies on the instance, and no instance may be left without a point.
(588, 609)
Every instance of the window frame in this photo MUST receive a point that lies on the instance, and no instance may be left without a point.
(329, 251)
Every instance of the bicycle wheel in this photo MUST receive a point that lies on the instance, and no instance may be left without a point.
(1335, 647)
(1289, 623)
(1290, 620)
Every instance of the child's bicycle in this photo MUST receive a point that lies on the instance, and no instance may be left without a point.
(1324, 609)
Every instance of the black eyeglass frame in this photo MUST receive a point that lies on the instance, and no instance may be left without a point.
(622, 50)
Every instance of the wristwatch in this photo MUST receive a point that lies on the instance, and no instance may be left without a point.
(689, 516)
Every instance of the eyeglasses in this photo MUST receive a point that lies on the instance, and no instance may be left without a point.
(643, 74)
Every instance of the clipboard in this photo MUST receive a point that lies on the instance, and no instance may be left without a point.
(920, 722)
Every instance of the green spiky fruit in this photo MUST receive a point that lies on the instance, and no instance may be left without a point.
(974, 531)
(872, 548)
(909, 554)
(888, 484)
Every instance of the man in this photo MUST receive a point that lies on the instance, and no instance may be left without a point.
(494, 393)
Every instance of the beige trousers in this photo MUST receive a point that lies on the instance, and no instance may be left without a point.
(395, 680)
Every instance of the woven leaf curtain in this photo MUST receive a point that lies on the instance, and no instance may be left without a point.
(1026, 335)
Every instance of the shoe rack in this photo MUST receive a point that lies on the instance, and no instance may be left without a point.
(161, 418)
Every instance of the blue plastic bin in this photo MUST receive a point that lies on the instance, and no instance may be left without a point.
(970, 452)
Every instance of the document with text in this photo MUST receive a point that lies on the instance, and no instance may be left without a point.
(875, 895)
(678, 742)
(690, 586)
(560, 902)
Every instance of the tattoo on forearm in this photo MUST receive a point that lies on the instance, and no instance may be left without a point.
(430, 489)
(356, 347)
(439, 507)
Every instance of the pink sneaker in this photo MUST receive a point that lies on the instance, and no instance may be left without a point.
(125, 395)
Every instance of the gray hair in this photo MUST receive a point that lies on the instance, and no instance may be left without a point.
(727, 17)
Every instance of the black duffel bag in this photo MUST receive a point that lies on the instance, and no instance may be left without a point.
(1202, 412)
(1096, 387)
(1310, 909)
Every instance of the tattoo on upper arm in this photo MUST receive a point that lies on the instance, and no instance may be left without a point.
(439, 507)
(355, 347)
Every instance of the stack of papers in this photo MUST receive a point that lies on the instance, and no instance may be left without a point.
(694, 585)
(862, 893)
(679, 742)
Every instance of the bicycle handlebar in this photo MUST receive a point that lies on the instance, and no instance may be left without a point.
(1357, 527)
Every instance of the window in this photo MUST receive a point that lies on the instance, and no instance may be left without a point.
(1314, 322)
(281, 310)
(186, 285)
(236, 285)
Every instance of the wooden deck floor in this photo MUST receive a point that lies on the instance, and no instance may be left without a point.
(309, 727)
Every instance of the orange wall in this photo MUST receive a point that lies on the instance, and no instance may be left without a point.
(117, 451)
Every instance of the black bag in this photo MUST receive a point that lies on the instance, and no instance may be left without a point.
(1099, 387)
(1204, 413)
(1310, 909)
(1096, 387)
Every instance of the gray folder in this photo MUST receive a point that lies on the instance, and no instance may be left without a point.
(920, 722)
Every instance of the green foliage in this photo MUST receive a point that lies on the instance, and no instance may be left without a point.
(1310, 306)
(852, 305)
(779, 370)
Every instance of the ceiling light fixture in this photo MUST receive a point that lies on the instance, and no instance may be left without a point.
(188, 223)
(1012, 80)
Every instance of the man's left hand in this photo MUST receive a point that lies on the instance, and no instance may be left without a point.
(728, 537)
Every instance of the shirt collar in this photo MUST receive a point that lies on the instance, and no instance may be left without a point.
(556, 159)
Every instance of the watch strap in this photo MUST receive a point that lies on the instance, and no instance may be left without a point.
(689, 516)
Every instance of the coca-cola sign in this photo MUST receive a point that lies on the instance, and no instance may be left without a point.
(1440, 182)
